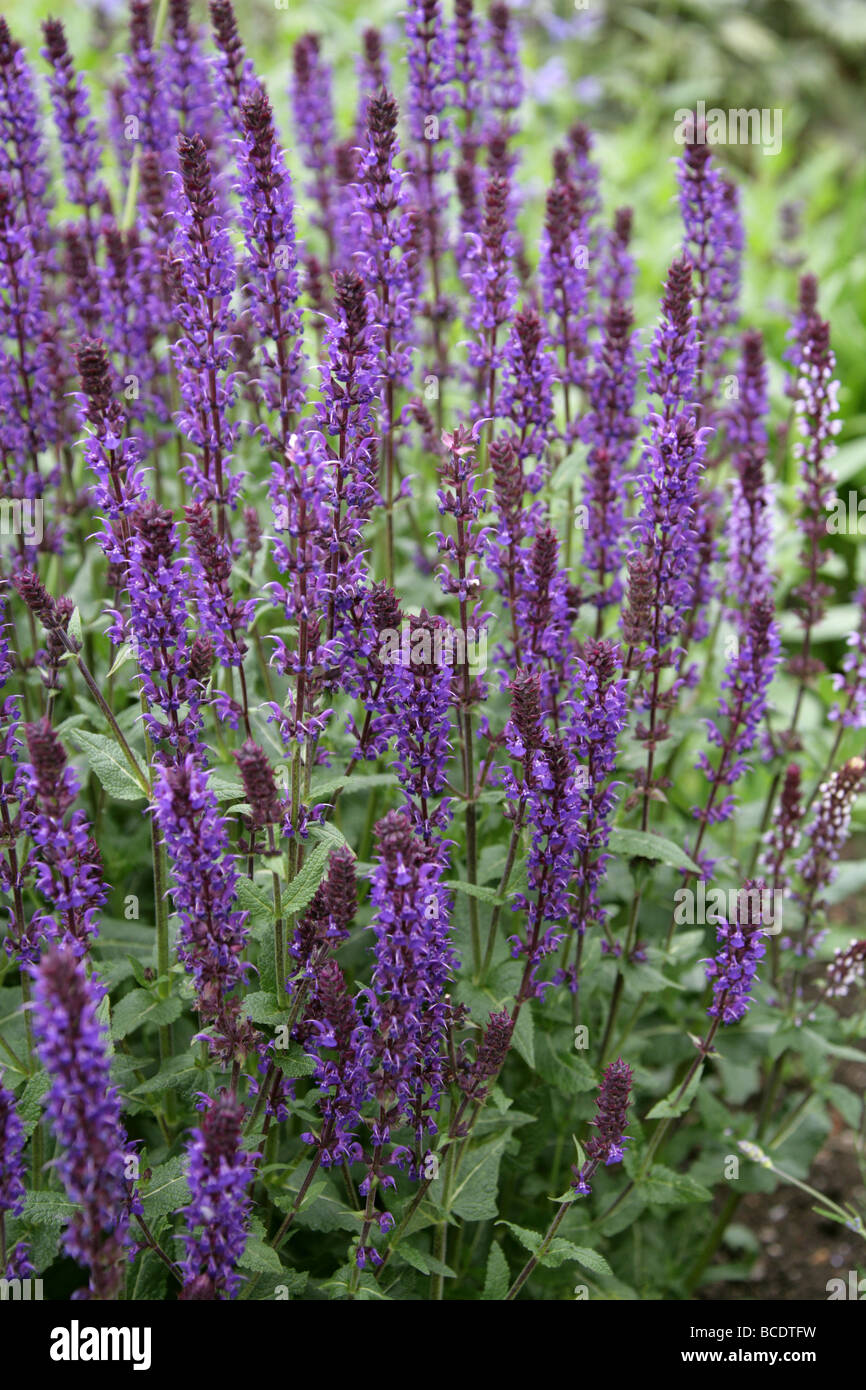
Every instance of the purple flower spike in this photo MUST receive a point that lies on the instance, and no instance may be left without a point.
(414, 962)
(83, 1109)
(732, 971)
(212, 930)
(219, 1175)
(611, 1121)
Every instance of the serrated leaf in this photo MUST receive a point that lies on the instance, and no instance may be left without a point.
(350, 786)
(497, 1280)
(423, 1262)
(261, 1006)
(176, 1073)
(643, 844)
(139, 1007)
(48, 1209)
(299, 892)
(29, 1105)
(168, 1189)
(260, 1258)
(477, 1183)
(293, 1060)
(663, 1187)
(475, 890)
(110, 766)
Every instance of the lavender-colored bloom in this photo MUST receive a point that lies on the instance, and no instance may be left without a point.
(113, 456)
(847, 969)
(750, 534)
(65, 860)
(615, 278)
(413, 965)
(850, 682)
(11, 1155)
(733, 969)
(546, 797)
(299, 492)
(466, 94)
(713, 242)
(611, 1121)
(526, 397)
(186, 74)
(145, 100)
(340, 1042)
(29, 417)
(79, 140)
(350, 379)
(219, 1173)
(492, 286)
(417, 688)
(609, 429)
(212, 928)
(22, 156)
(747, 678)
(312, 108)
(429, 62)
(664, 531)
(816, 405)
(267, 218)
(211, 572)
(544, 616)
(563, 277)
(385, 254)
(233, 72)
(598, 715)
(784, 835)
(374, 77)
(503, 78)
(828, 831)
(83, 1109)
(203, 354)
(159, 600)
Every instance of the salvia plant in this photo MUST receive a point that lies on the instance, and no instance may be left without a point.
(424, 792)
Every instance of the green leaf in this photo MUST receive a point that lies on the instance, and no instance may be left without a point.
(225, 784)
(260, 1258)
(150, 1278)
(477, 1183)
(475, 890)
(167, 1190)
(643, 844)
(30, 1102)
(568, 1072)
(111, 767)
(140, 1006)
(48, 1209)
(673, 1104)
(255, 901)
(559, 1250)
(302, 887)
(293, 1061)
(497, 1280)
(124, 654)
(663, 1187)
(350, 786)
(424, 1263)
(590, 1259)
(176, 1073)
(261, 1006)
